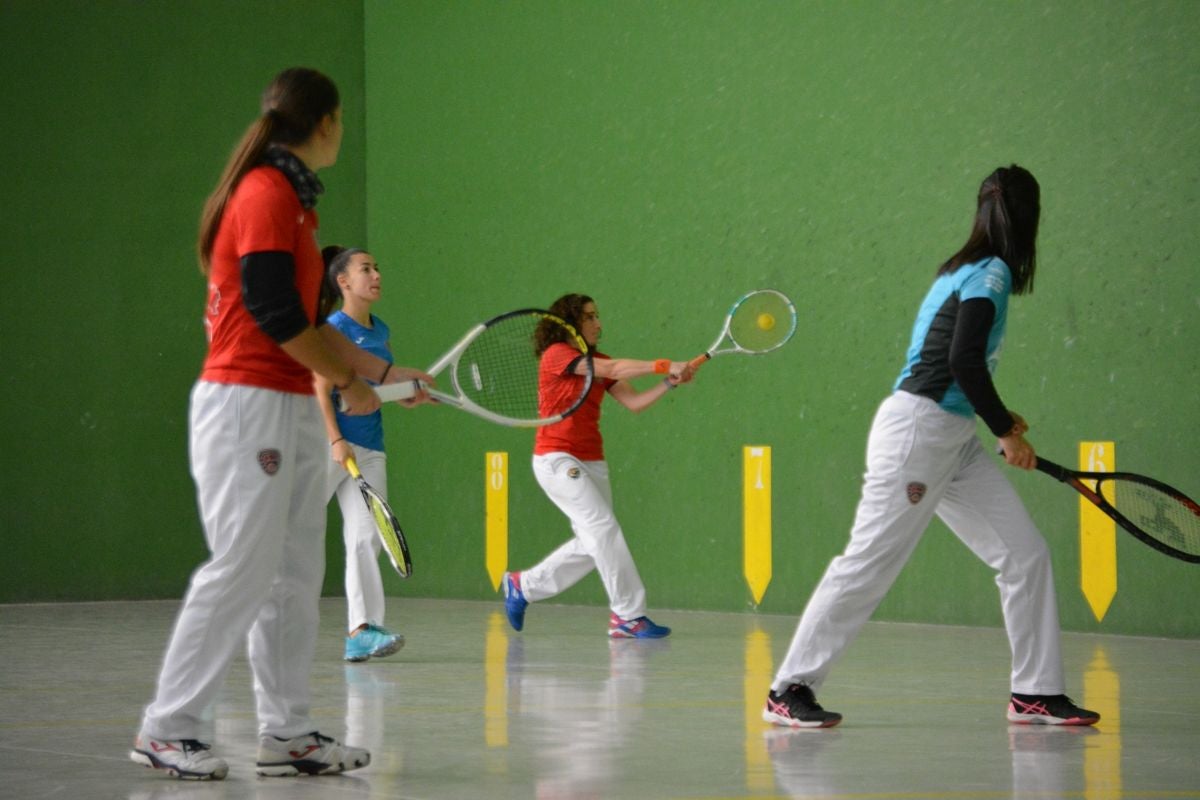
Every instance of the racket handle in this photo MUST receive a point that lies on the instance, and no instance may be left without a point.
(352, 467)
(398, 391)
(698, 360)
(401, 390)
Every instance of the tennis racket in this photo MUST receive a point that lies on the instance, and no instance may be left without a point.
(1157, 514)
(390, 533)
(759, 322)
(493, 370)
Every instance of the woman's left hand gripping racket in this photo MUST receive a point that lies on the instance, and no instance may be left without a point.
(386, 523)
(759, 322)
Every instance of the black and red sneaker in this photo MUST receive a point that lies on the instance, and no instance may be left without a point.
(797, 707)
(1048, 709)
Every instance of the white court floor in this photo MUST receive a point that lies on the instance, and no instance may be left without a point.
(471, 709)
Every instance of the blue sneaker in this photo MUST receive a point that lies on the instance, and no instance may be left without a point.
(640, 628)
(514, 600)
(372, 642)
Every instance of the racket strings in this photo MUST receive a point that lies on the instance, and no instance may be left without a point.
(499, 369)
(762, 321)
(1163, 516)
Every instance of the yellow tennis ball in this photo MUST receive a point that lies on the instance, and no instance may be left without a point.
(766, 321)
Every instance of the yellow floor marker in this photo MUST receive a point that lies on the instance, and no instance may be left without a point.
(496, 492)
(1102, 758)
(756, 519)
(1097, 534)
(495, 682)
(759, 775)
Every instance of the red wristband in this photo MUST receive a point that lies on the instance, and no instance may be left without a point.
(662, 366)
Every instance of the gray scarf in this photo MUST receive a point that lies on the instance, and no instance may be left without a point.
(303, 179)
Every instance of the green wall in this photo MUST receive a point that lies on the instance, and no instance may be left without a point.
(119, 117)
(663, 157)
(666, 156)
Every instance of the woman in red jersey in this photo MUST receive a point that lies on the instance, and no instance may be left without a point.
(257, 450)
(569, 464)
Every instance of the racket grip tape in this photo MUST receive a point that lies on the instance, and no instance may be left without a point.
(388, 392)
(698, 360)
(401, 390)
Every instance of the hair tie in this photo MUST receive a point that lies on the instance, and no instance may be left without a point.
(997, 192)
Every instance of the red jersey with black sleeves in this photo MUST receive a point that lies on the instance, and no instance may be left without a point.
(558, 386)
(263, 214)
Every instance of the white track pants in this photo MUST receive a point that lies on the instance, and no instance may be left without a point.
(914, 443)
(581, 491)
(258, 459)
(364, 585)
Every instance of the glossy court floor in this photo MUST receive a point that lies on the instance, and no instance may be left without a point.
(470, 709)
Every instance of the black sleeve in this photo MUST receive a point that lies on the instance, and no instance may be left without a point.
(968, 363)
(570, 370)
(269, 292)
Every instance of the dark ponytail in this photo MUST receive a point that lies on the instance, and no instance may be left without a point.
(337, 259)
(1006, 224)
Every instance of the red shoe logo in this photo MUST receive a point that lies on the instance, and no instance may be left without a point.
(299, 754)
(1030, 708)
(778, 708)
(162, 747)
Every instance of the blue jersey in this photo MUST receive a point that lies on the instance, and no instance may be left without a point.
(363, 430)
(927, 372)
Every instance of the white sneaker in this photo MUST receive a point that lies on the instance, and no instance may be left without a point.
(310, 754)
(181, 758)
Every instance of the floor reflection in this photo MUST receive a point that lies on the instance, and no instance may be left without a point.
(470, 709)
(1047, 759)
(571, 724)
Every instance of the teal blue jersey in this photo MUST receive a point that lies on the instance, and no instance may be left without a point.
(364, 430)
(927, 372)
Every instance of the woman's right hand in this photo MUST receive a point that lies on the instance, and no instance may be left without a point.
(395, 374)
(681, 372)
(359, 398)
(1018, 452)
(339, 451)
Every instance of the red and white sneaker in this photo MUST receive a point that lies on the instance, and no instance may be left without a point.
(310, 754)
(1048, 709)
(181, 758)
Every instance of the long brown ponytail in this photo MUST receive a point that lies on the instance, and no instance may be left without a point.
(293, 105)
